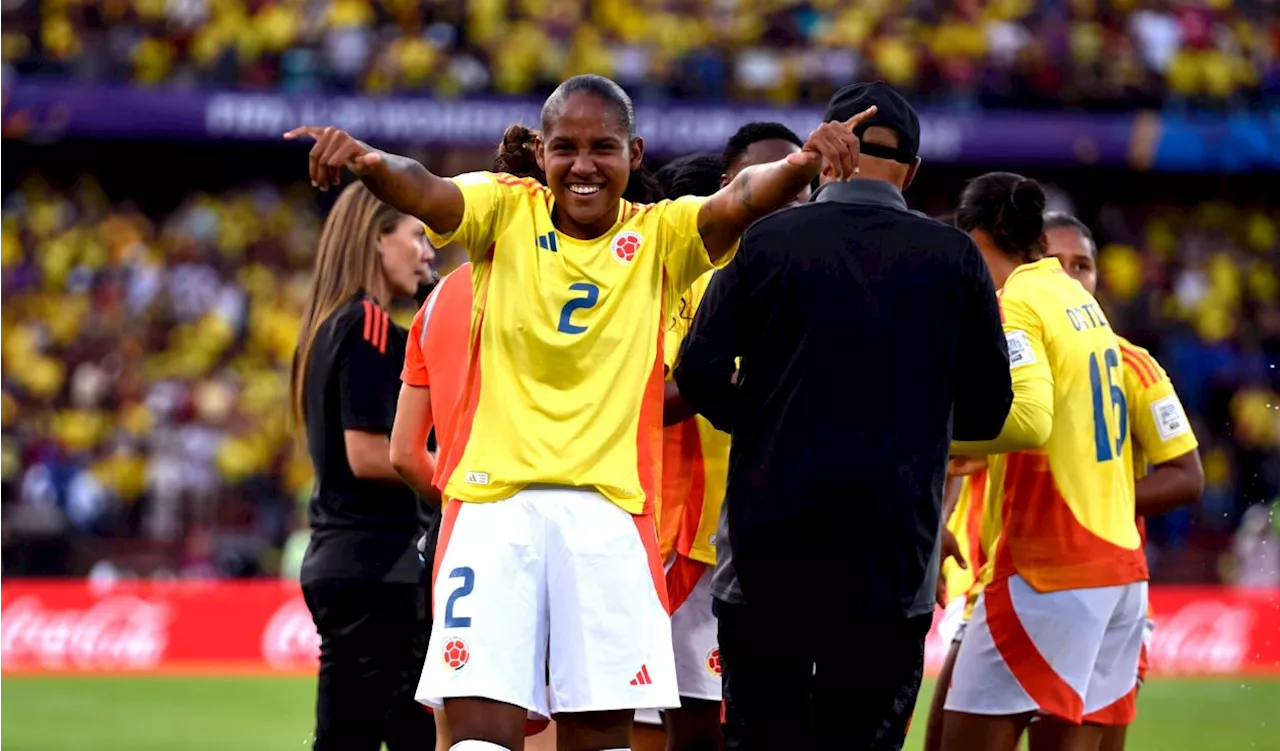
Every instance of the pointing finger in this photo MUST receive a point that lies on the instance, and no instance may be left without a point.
(853, 122)
(303, 130)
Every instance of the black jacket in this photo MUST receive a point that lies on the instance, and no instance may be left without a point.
(869, 337)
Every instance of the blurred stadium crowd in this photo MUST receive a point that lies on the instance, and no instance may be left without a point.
(146, 358)
(953, 53)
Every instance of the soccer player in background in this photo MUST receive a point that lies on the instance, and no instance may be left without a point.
(695, 469)
(561, 422)
(1057, 629)
(1166, 460)
(361, 575)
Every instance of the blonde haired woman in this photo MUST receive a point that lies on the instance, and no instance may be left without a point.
(361, 576)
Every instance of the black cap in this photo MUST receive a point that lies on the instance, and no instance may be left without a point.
(892, 111)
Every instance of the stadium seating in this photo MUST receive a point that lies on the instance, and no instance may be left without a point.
(1005, 53)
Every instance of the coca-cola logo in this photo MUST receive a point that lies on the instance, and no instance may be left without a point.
(115, 632)
(290, 639)
(1202, 637)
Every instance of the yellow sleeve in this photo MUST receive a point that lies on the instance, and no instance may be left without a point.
(684, 256)
(1158, 422)
(488, 203)
(1030, 418)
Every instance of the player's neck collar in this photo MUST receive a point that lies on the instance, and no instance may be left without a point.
(868, 192)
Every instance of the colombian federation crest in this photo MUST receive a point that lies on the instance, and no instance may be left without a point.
(625, 246)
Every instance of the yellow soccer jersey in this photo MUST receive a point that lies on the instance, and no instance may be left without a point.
(695, 461)
(565, 379)
(1062, 516)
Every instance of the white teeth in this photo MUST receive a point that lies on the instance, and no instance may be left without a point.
(584, 190)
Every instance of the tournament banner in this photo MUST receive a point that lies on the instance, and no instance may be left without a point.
(45, 111)
(258, 626)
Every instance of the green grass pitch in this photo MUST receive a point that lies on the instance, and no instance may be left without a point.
(141, 713)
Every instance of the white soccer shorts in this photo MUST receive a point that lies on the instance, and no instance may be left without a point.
(558, 569)
(1071, 654)
(693, 634)
(951, 626)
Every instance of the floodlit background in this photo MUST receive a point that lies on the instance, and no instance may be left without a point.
(157, 238)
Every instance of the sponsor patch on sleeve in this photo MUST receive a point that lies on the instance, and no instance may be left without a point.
(1171, 421)
(1020, 352)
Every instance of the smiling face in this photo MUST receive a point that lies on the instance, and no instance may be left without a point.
(587, 155)
(1076, 254)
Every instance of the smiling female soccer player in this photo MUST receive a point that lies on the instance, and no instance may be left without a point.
(555, 460)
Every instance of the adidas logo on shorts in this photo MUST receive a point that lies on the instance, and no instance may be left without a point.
(642, 677)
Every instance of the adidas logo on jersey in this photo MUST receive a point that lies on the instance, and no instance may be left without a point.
(548, 242)
(476, 478)
(642, 677)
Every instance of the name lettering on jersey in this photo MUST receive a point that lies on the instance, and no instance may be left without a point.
(1086, 317)
(548, 242)
(625, 246)
(476, 478)
(1020, 352)
(1171, 421)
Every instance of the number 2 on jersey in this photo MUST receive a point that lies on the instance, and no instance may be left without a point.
(468, 577)
(1107, 448)
(591, 295)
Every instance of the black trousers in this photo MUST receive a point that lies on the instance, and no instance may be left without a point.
(373, 638)
(860, 697)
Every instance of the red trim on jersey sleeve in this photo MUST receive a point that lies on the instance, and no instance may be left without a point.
(385, 320)
(368, 320)
(1143, 365)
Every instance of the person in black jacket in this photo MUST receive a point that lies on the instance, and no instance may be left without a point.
(869, 337)
(362, 576)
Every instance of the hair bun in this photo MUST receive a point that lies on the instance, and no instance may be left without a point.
(516, 138)
(1020, 221)
(515, 153)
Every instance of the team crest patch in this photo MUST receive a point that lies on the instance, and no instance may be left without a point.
(625, 247)
(456, 653)
(712, 662)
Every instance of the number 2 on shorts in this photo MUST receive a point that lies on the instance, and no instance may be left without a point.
(591, 295)
(468, 578)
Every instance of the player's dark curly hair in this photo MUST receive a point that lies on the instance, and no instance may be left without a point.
(1060, 219)
(1010, 208)
(755, 133)
(692, 175)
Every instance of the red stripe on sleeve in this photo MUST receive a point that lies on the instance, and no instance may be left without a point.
(1142, 364)
(368, 320)
(382, 337)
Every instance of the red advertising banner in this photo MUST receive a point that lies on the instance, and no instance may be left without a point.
(264, 626)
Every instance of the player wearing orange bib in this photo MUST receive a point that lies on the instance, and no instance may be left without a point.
(1165, 458)
(557, 445)
(1057, 628)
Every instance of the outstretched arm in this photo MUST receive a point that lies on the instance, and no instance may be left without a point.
(765, 188)
(397, 181)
